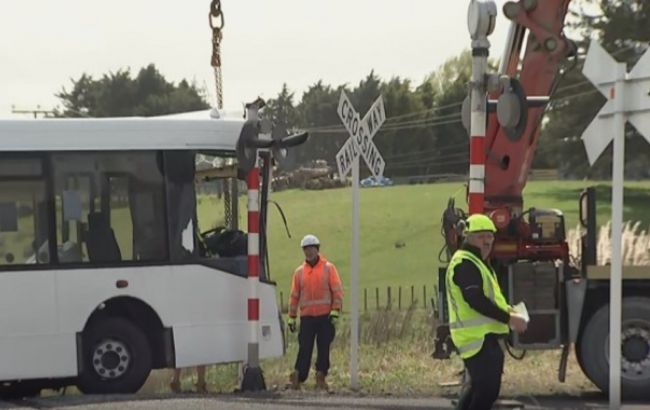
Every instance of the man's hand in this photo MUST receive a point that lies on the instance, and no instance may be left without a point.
(517, 323)
(334, 318)
(292, 324)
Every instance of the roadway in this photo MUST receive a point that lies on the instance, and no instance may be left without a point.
(286, 400)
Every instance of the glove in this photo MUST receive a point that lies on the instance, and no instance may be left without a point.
(334, 318)
(292, 324)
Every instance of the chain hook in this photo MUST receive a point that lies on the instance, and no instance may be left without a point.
(216, 13)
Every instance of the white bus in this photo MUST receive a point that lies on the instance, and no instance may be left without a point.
(103, 273)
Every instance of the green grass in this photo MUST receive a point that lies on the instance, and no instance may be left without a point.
(394, 359)
(411, 214)
(394, 356)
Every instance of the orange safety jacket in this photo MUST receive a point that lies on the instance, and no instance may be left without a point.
(316, 290)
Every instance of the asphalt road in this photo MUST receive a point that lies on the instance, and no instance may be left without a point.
(296, 401)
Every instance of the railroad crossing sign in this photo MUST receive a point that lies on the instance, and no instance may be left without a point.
(628, 99)
(359, 144)
(634, 102)
(361, 133)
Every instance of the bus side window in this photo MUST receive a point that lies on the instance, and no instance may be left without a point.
(23, 231)
(110, 206)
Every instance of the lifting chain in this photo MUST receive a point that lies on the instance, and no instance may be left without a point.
(229, 185)
(216, 24)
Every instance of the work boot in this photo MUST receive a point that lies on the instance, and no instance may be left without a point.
(320, 381)
(201, 388)
(294, 383)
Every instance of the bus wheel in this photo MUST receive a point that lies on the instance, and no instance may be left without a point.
(635, 348)
(116, 358)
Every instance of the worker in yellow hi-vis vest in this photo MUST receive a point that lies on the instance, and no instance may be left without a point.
(478, 314)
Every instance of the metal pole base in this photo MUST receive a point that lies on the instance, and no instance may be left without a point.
(253, 380)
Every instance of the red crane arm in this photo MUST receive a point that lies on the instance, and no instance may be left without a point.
(537, 28)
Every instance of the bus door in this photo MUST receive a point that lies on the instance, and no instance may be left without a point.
(29, 343)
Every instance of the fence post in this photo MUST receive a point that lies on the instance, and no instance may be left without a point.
(399, 298)
(377, 298)
(412, 294)
(424, 294)
(365, 299)
(389, 302)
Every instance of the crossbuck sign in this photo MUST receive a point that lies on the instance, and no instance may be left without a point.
(359, 144)
(627, 100)
(361, 133)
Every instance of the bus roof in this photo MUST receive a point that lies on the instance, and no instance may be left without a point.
(129, 133)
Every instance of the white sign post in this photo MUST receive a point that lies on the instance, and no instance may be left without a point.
(627, 100)
(360, 142)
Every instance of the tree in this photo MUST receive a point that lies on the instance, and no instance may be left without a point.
(406, 140)
(119, 95)
(281, 110)
(317, 112)
(449, 87)
(283, 114)
(623, 27)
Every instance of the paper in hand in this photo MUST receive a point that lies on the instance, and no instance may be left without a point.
(520, 309)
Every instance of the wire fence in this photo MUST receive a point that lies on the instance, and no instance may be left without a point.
(386, 298)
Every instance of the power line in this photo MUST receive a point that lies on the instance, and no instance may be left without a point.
(394, 127)
(435, 121)
(388, 124)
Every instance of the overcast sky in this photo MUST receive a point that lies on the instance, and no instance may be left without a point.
(45, 43)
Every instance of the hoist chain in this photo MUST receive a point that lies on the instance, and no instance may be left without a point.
(216, 16)
(216, 21)
(216, 13)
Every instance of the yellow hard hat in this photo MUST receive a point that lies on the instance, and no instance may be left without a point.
(480, 223)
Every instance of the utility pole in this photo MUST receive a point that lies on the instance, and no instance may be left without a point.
(34, 112)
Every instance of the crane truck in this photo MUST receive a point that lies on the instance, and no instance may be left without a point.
(568, 302)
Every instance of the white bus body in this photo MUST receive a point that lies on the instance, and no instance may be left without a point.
(128, 288)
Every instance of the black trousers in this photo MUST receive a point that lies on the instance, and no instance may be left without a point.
(320, 329)
(485, 370)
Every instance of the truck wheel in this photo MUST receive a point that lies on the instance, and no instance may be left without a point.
(116, 358)
(635, 340)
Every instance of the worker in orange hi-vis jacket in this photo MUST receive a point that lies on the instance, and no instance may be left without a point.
(317, 294)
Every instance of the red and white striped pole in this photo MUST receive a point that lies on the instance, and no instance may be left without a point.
(477, 150)
(253, 182)
(481, 18)
(478, 114)
(253, 379)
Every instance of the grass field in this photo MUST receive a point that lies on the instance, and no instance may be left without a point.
(395, 359)
(408, 213)
(396, 346)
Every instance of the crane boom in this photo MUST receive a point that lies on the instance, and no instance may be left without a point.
(537, 30)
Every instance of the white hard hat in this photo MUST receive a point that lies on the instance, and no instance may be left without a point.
(309, 240)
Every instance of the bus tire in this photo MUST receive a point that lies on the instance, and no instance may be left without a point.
(116, 358)
(594, 348)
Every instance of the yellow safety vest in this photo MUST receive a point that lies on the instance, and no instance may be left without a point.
(468, 327)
